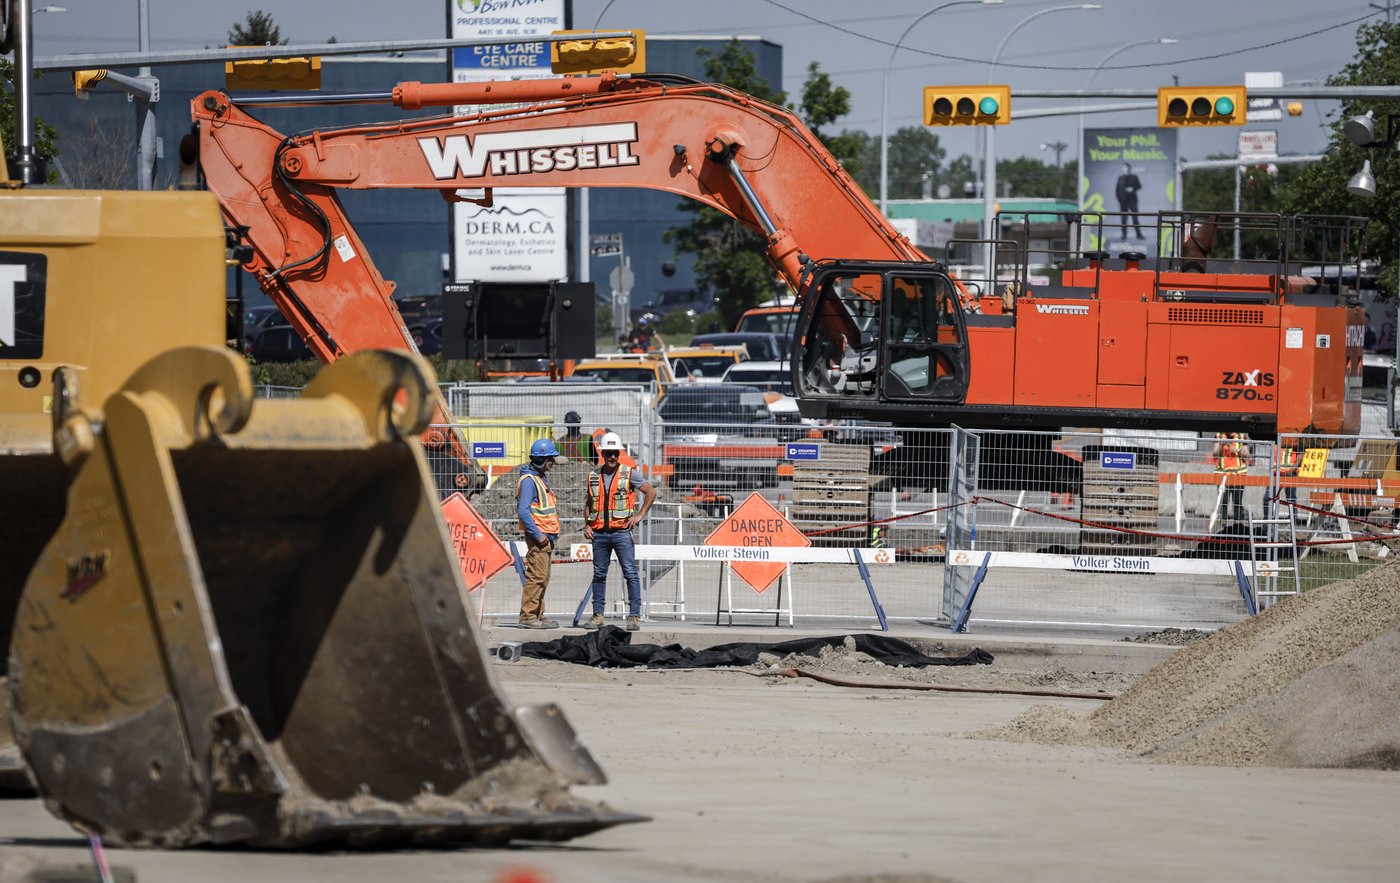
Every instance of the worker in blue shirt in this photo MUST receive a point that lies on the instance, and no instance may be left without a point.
(538, 511)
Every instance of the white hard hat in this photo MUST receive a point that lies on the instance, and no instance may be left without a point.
(610, 442)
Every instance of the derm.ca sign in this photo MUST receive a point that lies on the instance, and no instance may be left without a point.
(522, 236)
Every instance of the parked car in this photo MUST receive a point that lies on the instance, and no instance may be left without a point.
(703, 364)
(711, 411)
(280, 344)
(762, 346)
(419, 310)
(770, 376)
(774, 320)
(626, 368)
(259, 318)
(428, 338)
(775, 380)
(719, 436)
(685, 300)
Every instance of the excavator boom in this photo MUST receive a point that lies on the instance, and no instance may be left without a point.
(969, 358)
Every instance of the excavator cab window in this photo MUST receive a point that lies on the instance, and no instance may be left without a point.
(874, 330)
(924, 350)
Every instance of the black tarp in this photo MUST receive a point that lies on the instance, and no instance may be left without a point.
(612, 647)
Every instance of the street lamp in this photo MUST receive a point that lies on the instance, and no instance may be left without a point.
(885, 97)
(1162, 41)
(1361, 131)
(989, 155)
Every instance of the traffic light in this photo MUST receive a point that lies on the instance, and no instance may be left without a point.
(967, 105)
(85, 81)
(590, 55)
(273, 74)
(1201, 106)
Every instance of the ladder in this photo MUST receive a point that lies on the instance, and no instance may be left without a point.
(1267, 535)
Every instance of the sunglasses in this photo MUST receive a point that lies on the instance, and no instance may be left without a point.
(612, 453)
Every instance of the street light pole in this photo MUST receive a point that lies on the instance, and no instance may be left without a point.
(1079, 193)
(145, 108)
(989, 155)
(885, 97)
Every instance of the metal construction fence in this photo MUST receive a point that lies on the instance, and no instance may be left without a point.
(1096, 529)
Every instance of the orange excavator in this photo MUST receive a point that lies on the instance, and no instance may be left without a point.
(885, 333)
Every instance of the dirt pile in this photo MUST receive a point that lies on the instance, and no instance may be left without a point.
(1312, 682)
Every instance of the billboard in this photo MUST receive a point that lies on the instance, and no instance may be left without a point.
(1126, 173)
(523, 236)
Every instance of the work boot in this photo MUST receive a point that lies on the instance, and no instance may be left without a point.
(634, 623)
(596, 622)
(538, 624)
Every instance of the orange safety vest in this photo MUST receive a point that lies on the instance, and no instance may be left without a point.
(621, 496)
(1232, 454)
(1287, 460)
(545, 507)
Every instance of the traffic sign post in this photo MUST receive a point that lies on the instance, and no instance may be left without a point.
(753, 536)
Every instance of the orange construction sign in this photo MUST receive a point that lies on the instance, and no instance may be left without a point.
(756, 526)
(479, 551)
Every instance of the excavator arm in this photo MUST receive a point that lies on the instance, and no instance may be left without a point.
(749, 159)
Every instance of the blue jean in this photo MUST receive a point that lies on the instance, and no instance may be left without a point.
(605, 542)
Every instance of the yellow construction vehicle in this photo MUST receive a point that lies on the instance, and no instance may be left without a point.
(231, 621)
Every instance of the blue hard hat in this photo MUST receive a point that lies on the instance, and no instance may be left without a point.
(543, 447)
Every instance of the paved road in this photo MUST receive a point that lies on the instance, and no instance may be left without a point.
(751, 779)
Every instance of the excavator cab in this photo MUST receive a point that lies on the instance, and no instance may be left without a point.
(881, 331)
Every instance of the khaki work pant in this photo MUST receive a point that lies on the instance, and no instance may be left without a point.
(536, 578)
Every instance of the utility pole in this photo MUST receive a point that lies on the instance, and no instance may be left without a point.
(1059, 147)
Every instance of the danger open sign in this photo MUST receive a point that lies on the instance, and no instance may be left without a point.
(756, 526)
(479, 551)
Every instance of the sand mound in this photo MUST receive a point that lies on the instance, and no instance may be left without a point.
(1312, 681)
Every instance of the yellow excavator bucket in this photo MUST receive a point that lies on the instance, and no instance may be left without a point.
(250, 627)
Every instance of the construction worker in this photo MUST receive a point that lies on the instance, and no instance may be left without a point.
(610, 513)
(573, 444)
(644, 338)
(1231, 457)
(538, 511)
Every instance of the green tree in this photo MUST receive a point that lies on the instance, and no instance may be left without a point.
(258, 29)
(45, 136)
(914, 153)
(737, 68)
(729, 257)
(1322, 186)
(822, 103)
(1028, 176)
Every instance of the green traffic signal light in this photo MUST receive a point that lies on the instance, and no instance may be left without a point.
(967, 105)
(1201, 106)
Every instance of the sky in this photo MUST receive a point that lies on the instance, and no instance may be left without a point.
(1218, 41)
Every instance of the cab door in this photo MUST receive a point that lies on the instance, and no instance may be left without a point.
(923, 335)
